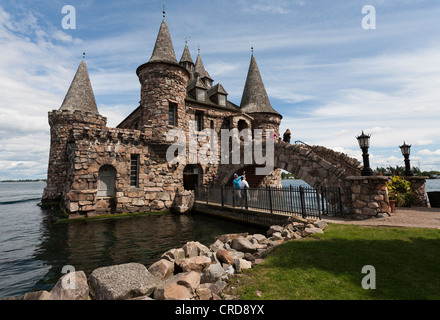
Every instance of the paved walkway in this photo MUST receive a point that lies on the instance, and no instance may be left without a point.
(403, 217)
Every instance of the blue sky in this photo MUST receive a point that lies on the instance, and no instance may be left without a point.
(329, 77)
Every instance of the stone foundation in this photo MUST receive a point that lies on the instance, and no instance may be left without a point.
(369, 196)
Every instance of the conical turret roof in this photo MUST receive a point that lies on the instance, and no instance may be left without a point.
(186, 56)
(80, 95)
(163, 49)
(255, 97)
(200, 68)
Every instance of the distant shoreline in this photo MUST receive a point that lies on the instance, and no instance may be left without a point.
(25, 180)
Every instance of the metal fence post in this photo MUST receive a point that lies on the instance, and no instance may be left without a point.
(340, 202)
(246, 198)
(291, 199)
(270, 198)
(317, 202)
(303, 205)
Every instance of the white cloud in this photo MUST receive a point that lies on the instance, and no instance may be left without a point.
(427, 152)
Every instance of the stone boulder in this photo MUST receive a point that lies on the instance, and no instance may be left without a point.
(228, 237)
(194, 249)
(179, 287)
(38, 295)
(277, 236)
(260, 238)
(242, 244)
(321, 224)
(190, 280)
(174, 255)
(224, 256)
(122, 282)
(162, 269)
(274, 229)
(312, 230)
(241, 264)
(191, 249)
(213, 273)
(71, 286)
(217, 245)
(198, 264)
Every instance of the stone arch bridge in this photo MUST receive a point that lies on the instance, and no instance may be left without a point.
(322, 167)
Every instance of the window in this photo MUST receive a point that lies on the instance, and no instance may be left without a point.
(172, 114)
(199, 121)
(222, 100)
(201, 95)
(134, 170)
(208, 82)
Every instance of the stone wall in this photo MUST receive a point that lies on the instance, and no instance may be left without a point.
(369, 196)
(162, 83)
(61, 146)
(158, 181)
(418, 187)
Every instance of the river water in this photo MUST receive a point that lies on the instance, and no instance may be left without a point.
(34, 247)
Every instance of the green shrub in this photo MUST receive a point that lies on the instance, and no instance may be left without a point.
(399, 189)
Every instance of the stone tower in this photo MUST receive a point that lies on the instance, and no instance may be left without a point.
(78, 109)
(163, 89)
(255, 101)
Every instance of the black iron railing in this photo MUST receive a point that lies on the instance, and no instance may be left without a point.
(306, 202)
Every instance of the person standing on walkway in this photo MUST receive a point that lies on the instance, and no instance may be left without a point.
(244, 186)
(287, 136)
(236, 187)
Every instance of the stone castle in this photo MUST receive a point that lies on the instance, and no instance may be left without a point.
(96, 169)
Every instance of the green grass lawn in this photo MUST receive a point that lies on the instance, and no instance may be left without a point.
(329, 266)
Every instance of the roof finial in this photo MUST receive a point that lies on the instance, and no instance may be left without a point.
(187, 39)
(163, 9)
(252, 50)
(84, 55)
(199, 49)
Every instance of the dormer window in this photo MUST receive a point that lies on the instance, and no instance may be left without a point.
(222, 100)
(201, 94)
(208, 82)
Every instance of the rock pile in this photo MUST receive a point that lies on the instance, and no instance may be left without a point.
(193, 272)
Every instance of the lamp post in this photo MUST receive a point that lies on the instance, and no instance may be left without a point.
(406, 150)
(364, 144)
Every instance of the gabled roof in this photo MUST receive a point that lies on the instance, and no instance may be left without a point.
(218, 88)
(186, 56)
(163, 49)
(196, 83)
(200, 68)
(80, 95)
(255, 99)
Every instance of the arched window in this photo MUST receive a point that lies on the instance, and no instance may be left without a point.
(106, 181)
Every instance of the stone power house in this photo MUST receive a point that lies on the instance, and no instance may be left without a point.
(95, 169)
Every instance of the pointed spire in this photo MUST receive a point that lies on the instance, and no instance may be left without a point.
(200, 68)
(255, 98)
(163, 50)
(186, 56)
(80, 95)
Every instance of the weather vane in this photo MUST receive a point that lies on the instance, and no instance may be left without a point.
(187, 39)
(163, 9)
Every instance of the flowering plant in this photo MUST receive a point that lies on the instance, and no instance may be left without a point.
(397, 185)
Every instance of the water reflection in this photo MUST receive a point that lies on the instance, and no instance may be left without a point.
(87, 245)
